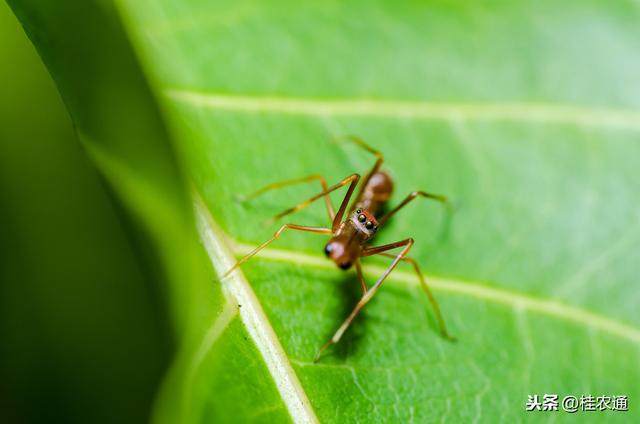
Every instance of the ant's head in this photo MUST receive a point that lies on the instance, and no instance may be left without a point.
(364, 222)
(345, 246)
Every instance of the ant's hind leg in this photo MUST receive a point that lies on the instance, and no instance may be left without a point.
(432, 299)
(277, 234)
(437, 197)
(285, 183)
(370, 293)
(375, 168)
(361, 143)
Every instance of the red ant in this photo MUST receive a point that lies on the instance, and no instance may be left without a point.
(350, 238)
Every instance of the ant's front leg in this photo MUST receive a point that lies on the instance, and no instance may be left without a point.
(277, 234)
(363, 283)
(285, 183)
(353, 179)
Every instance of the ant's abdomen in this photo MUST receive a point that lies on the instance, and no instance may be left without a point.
(377, 192)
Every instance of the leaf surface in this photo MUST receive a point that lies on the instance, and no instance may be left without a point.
(526, 114)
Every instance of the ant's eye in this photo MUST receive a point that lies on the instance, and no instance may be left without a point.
(369, 225)
(362, 218)
(359, 211)
(375, 228)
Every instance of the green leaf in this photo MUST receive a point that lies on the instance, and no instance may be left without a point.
(525, 114)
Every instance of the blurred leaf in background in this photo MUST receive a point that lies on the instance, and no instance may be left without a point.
(84, 330)
(526, 114)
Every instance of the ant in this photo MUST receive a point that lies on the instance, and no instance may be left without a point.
(350, 238)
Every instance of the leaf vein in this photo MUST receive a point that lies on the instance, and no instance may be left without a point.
(511, 299)
(542, 113)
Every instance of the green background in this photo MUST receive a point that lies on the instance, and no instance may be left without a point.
(84, 329)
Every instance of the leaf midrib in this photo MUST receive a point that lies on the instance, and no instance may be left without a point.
(236, 288)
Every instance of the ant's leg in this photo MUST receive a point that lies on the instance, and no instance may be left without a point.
(432, 299)
(409, 198)
(353, 179)
(374, 168)
(337, 220)
(275, 236)
(281, 184)
(370, 293)
(363, 283)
